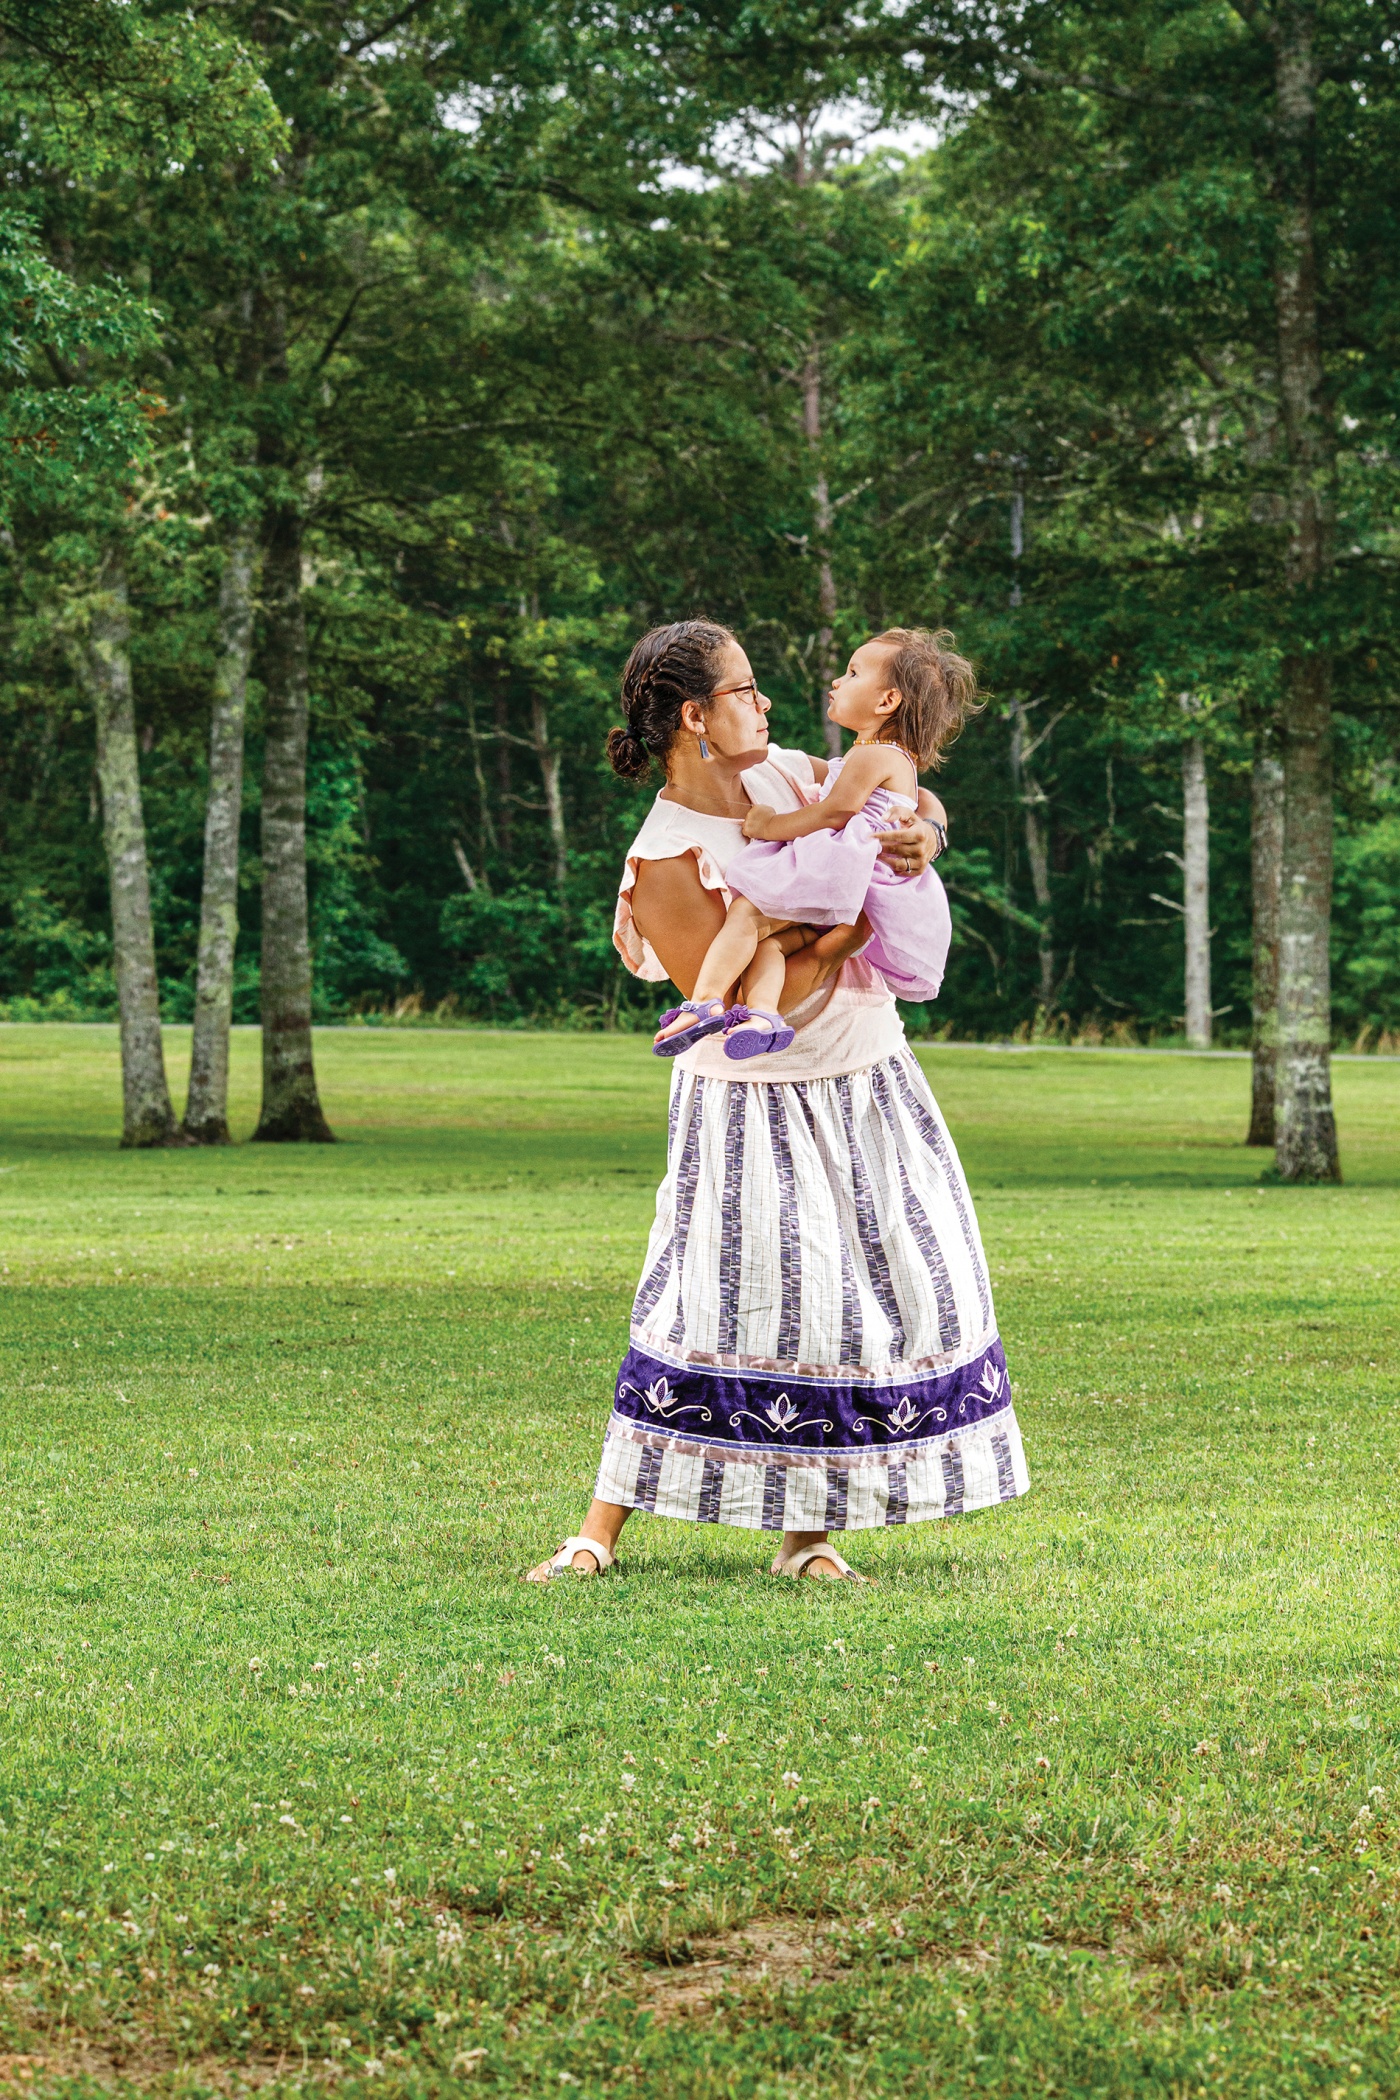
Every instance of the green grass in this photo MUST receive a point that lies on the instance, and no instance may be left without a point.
(301, 1788)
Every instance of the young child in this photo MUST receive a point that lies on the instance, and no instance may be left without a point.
(905, 694)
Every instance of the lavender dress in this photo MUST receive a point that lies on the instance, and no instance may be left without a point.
(830, 877)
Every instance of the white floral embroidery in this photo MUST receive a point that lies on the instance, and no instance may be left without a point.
(662, 1401)
(993, 1379)
(781, 1414)
(905, 1416)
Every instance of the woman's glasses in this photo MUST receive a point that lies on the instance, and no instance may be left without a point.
(725, 692)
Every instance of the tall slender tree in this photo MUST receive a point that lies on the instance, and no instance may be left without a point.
(206, 1106)
(291, 1106)
(103, 659)
(1266, 872)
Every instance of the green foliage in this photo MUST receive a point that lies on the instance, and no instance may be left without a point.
(529, 394)
(1368, 898)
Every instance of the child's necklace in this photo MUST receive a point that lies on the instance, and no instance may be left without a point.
(865, 743)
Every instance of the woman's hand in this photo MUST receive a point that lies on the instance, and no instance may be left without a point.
(910, 847)
(757, 819)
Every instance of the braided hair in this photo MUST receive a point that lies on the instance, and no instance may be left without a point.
(666, 668)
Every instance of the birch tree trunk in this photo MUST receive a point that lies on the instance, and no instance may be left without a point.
(291, 1106)
(548, 758)
(822, 518)
(1265, 860)
(1306, 1134)
(1306, 1131)
(206, 1106)
(1195, 869)
(104, 666)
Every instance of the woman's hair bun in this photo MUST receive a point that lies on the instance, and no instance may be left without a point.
(667, 667)
(627, 754)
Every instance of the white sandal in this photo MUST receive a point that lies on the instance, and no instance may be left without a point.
(562, 1562)
(797, 1564)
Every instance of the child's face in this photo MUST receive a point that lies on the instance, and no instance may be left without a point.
(862, 698)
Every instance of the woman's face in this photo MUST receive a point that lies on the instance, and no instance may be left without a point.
(736, 720)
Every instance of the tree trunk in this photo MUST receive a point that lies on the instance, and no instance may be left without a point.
(553, 798)
(1306, 1141)
(483, 800)
(1306, 1133)
(1034, 803)
(505, 794)
(822, 517)
(1195, 868)
(291, 1107)
(1265, 861)
(104, 666)
(206, 1107)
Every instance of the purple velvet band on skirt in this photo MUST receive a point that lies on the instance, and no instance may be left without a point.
(765, 1411)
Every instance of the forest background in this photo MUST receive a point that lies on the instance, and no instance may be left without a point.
(374, 376)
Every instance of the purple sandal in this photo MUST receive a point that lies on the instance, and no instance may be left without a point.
(709, 1023)
(757, 1032)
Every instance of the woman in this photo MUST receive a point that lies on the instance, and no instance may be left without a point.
(813, 1344)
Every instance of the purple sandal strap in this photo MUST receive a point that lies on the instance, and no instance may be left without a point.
(706, 1023)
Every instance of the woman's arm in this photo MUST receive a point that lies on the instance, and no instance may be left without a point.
(673, 910)
(865, 770)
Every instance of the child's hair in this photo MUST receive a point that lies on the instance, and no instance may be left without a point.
(937, 687)
(666, 668)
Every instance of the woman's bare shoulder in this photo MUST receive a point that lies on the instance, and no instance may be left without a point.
(662, 880)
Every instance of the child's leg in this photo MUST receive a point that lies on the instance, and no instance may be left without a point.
(727, 958)
(762, 982)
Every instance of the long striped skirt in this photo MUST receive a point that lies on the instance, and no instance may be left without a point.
(813, 1342)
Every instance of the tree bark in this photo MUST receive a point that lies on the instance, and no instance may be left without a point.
(1306, 1131)
(1306, 1137)
(505, 793)
(822, 519)
(1265, 860)
(291, 1107)
(1195, 869)
(104, 666)
(206, 1106)
(548, 758)
(1034, 803)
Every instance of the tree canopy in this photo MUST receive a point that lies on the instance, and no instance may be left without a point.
(536, 325)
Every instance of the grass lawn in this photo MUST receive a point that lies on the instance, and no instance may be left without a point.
(302, 1789)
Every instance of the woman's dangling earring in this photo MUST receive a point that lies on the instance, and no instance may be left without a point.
(704, 748)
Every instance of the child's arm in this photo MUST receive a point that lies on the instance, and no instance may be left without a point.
(865, 770)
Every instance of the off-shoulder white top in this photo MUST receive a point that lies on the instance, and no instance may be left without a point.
(849, 1023)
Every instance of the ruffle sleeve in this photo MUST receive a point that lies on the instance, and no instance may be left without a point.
(784, 779)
